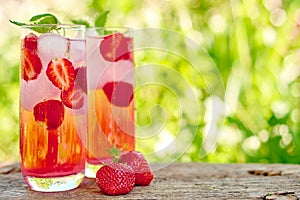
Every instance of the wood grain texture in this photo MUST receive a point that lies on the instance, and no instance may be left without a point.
(180, 181)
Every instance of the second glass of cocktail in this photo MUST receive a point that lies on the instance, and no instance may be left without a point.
(110, 73)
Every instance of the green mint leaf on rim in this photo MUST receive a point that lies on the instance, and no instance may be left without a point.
(17, 23)
(101, 19)
(81, 22)
(46, 18)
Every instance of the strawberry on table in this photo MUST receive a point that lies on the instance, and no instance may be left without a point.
(50, 112)
(115, 179)
(119, 93)
(60, 72)
(135, 159)
(116, 47)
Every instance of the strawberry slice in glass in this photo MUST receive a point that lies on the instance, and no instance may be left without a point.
(31, 65)
(80, 78)
(50, 112)
(73, 97)
(116, 47)
(60, 72)
(30, 42)
(119, 93)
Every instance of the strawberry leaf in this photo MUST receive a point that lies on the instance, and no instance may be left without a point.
(114, 152)
(101, 19)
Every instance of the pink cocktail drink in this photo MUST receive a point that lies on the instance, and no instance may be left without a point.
(53, 105)
(110, 75)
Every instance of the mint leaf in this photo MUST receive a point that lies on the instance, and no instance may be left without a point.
(17, 23)
(101, 19)
(46, 18)
(81, 22)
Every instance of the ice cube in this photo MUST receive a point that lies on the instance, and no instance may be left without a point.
(122, 70)
(77, 52)
(101, 71)
(52, 46)
(94, 62)
(35, 91)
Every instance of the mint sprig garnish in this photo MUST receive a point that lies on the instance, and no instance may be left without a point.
(99, 21)
(46, 18)
(81, 22)
(17, 23)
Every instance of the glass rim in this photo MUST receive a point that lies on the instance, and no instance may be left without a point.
(65, 26)
(111, 28)
(105, 31)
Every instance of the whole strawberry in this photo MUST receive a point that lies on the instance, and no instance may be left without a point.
(142, 171)
(115, 179)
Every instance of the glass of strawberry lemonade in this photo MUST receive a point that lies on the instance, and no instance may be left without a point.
(53, 102)
(110, 75)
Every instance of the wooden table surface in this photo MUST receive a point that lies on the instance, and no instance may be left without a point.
(180, 181)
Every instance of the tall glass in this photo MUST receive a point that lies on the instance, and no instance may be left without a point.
(110, 72)
(53, 104)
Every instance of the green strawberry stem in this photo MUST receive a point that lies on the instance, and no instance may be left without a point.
(115, 153)
(51, 158)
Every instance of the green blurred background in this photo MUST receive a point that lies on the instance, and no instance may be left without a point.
(254, 45)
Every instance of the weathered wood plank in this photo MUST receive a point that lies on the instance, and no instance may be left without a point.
(181, 181)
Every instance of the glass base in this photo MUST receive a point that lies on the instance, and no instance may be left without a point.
(54, 184)
(91, 170)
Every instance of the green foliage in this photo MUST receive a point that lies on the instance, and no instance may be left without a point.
(98, 22)
(255, 47)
